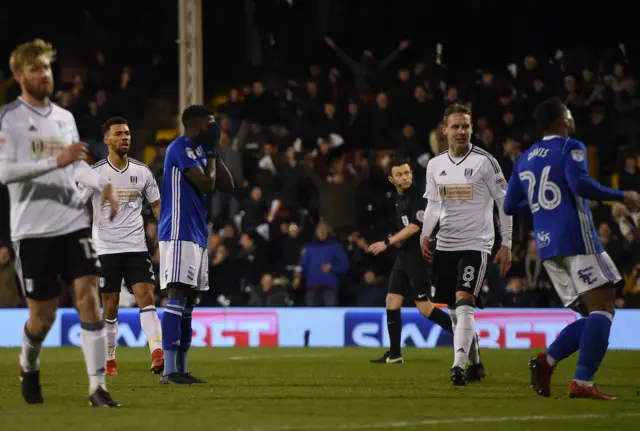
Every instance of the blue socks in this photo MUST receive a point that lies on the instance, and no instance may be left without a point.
(590, 335)
(185, 337)
(171, 335)
(568, 340)
(593, 345)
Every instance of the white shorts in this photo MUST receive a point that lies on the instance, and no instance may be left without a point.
(184, 262)
(575, 275)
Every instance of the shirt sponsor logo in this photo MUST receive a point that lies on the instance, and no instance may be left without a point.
(127, 195)
(47, 147)
(456, 192)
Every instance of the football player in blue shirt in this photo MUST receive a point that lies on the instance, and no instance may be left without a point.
(551, 181)
(191, 170)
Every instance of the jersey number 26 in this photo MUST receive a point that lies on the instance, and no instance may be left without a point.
(549, 195)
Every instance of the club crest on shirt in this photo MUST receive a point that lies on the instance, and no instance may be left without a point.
(468, 173)
(134, 180)
(420, 215)
(191, 154)
(577, 155)
(405, 220)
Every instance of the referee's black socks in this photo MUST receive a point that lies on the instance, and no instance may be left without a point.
(441, 319)
(394, 327)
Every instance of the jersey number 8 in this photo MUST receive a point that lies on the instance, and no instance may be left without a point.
(549, 193)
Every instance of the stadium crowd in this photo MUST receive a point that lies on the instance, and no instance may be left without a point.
(310, 155)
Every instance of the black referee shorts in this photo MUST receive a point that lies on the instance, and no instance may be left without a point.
(410, 279)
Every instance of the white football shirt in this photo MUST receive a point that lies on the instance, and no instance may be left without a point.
(49, 205)
(466, 187)
(125, 233)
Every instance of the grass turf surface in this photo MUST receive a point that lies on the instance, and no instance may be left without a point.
(273, 389)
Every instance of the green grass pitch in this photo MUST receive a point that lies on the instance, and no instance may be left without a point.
(274, 389)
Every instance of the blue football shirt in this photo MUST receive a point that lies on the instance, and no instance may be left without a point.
(553, 179)
(183, 209)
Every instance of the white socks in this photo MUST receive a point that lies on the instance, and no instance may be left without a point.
(94, 347)
(30, 354)
(151, 327)
(463, 335)
(474, 350)
(112, 337)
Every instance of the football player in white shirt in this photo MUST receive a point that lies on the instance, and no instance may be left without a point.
(40, 162)
(462, 185)
(121, 243)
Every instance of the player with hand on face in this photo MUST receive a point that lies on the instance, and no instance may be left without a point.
(192, 169)
(551, 181)
(121, 244)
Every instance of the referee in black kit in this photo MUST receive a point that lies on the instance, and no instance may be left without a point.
(411, 273)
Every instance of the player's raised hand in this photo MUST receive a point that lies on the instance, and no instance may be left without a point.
(503, 258)
(425, 246)
(109, 196)
(632, 200)
(73, 153)
(377, 247)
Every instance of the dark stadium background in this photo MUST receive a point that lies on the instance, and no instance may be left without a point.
(476, 35)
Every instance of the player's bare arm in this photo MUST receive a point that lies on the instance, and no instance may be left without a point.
(109, 197)
(410, 230)
(205, 182)
(155, 209)
(431, 218)
(503, 256)
(13, 172)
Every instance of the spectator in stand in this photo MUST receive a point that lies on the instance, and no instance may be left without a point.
(323, 264)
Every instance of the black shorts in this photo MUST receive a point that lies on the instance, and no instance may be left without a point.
(40, 261)
(410, 282)
(133, 268)
(456, 271)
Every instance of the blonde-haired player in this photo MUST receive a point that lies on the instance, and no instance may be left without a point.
(41, 159)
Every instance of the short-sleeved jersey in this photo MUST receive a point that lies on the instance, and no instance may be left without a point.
(49, 205)
(410, 207)
(183, 209)
(125, 233)
(561, 219)
(466, 188)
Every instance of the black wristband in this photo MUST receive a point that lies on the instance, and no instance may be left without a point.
(386, 242)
